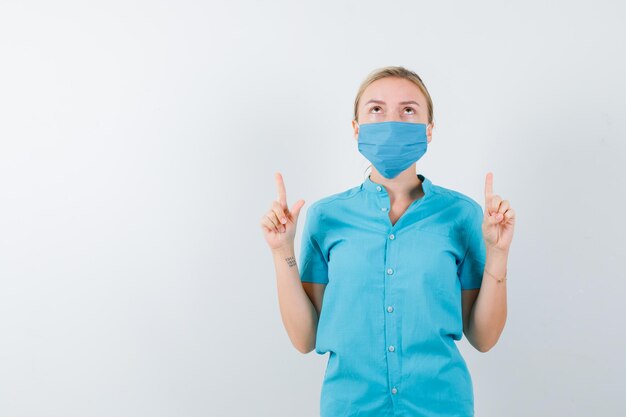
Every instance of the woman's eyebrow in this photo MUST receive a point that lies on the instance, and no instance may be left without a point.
(402, 102)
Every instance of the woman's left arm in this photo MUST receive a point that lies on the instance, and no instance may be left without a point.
(488, 314)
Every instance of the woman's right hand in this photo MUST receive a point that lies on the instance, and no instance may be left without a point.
(279, 223)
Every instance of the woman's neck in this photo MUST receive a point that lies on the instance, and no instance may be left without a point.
(405, 187)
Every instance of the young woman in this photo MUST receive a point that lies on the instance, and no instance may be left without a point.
(404, 267)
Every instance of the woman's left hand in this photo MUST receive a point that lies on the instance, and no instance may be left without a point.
(498, 221)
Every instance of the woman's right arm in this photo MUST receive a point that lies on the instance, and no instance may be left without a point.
(299, 306)
(299, 309)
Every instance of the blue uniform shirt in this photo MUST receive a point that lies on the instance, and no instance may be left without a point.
(391, 311)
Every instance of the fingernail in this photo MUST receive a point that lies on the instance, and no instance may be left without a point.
(283, 220)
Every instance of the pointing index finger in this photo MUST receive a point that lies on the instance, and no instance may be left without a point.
(282, 193)
(488, 186)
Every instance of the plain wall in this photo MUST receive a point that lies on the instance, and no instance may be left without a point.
(138, 146)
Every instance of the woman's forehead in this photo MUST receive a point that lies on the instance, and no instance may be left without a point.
(392, 90)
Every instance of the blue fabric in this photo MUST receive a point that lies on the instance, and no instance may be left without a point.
(392, 146)
(391, 312)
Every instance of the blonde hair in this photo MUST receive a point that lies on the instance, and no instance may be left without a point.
(394, 71)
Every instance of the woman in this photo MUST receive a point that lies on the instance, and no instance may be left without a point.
(399, 263)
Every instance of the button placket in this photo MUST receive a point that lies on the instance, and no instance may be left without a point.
(391, 320)
(382, 195)
(393, 363)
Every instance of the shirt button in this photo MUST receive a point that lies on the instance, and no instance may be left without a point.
(383, 208)
(394, 390)
(390, 271)
(390, 309)
(392, 236)
(378, 188)
(391, 348)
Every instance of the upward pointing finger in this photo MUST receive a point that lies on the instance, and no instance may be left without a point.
(488, 187)
(282, 193)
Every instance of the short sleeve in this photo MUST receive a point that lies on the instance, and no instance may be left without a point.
(472, 266)
(313, 262)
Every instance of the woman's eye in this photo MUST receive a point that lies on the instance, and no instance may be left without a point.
(412, 111)
(376, 107)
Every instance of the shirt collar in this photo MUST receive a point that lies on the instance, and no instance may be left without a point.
(376, 188)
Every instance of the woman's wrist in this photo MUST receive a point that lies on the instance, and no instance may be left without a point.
(496, 252)
(287, 250)
(496, 264)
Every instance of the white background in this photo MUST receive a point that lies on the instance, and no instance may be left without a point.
(138, 146)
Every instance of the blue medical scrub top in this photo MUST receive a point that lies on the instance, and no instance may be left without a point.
(391, 311)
